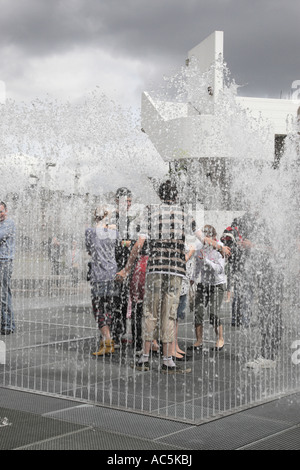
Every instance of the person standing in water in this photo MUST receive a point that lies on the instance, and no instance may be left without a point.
(210, 291)
(7, 252)
(100, 244)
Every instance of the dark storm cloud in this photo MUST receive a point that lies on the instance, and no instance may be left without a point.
(260, 36)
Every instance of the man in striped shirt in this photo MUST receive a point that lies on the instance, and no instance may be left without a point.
(168, 224)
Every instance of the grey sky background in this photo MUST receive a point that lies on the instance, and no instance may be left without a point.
(68, 47)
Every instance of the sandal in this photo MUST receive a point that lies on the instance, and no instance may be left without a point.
(183, 358)
(218, 348)
(195, 348)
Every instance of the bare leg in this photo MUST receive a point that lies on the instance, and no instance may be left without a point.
(106, 344)
(199, 335)
(105, 332)
(219, 333)
(167, 348)
(174, 349)
(178, 350)
(147, 347)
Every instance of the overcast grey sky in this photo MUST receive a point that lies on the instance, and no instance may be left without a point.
(68, 47)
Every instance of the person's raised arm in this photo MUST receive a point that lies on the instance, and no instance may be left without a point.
(190, 253)
(224, 250)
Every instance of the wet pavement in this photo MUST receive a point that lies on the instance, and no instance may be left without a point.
(55, 395)
(39, 422)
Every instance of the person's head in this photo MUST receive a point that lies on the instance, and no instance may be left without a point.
(210, 231)
(124, 194)
(168, 192)
(3, 211)
(100, 213)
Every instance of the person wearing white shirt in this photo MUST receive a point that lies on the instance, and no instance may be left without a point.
(210, 280)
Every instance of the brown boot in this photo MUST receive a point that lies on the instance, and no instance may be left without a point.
(106, 347)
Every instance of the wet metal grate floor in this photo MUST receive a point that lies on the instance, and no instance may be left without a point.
(37, 422)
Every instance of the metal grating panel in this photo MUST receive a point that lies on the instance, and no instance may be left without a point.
(224, 434)
(286, 440)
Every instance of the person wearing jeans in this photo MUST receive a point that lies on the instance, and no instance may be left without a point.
(7, 251)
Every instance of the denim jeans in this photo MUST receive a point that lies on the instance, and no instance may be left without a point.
(7, 314)
(182, 307)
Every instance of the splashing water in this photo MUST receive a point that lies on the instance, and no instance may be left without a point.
(60, 159)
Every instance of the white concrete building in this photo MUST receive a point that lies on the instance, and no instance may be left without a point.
(213, 126)
(187, 129)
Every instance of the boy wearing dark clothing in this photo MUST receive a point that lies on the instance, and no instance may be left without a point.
(122, 251)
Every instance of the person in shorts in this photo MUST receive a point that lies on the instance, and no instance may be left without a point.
(210, 265)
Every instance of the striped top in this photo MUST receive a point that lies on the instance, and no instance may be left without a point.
(168, 226)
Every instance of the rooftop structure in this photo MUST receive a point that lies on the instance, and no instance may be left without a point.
(187, 129)
(207, 133)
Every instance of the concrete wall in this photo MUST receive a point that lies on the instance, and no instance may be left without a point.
(207, 53)
(279, 113)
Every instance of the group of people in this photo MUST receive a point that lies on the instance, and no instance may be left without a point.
(152, 273)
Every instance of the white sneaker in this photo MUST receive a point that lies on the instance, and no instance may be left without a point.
(262, 363)
(139, 352)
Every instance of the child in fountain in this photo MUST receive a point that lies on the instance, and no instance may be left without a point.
(209, 292)
(100, 244)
